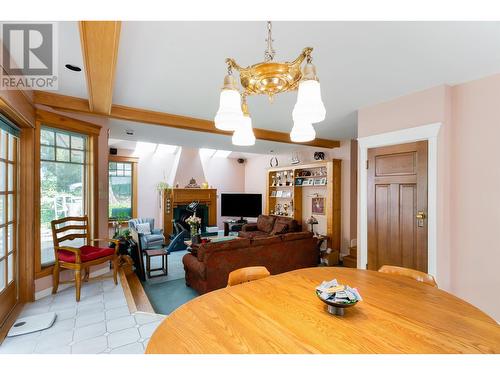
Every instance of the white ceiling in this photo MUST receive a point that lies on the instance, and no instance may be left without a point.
(178, 67)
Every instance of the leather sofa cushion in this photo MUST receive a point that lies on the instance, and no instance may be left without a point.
(263, 241)
(293, 226)
(253, 234)
(190, 262)
(87, 253)
(221, 246)
(279, 228)
(265, 223)
(296, 236)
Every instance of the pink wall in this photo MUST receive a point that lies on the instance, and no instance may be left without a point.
(468, 215)
(475, 193)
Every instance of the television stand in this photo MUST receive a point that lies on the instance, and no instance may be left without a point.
(233, 226)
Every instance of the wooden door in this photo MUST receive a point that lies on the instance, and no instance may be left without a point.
(397, 206)
(8, 223)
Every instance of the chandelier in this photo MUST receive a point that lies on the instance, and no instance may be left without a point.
(271, 78)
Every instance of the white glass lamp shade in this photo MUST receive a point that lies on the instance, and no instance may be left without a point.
(229, 115)
(302, 131)
(243, 135)
(309, 106)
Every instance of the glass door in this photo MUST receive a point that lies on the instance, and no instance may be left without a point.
(8, 220)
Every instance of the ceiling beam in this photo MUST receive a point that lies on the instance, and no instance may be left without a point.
(120, 112)
(99, 40)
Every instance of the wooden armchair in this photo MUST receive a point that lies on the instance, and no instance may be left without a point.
(79, 258)
(243, 275)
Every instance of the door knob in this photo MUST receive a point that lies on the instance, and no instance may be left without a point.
(420, 215)
(420, 218)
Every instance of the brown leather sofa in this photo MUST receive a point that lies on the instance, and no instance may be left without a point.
(210, 267)
(269, 225)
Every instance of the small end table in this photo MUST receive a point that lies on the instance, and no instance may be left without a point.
(150, 253)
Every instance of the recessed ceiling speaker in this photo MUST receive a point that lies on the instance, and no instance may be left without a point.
(113, 151)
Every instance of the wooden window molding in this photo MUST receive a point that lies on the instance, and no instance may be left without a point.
(92, 131)
(134, 161)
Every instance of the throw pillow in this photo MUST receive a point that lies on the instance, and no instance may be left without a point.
(143, 228)
(265, 223)
(280, 228)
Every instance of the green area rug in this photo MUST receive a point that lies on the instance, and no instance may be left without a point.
(169, 295)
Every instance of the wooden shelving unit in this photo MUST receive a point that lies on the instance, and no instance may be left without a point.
(284, 179)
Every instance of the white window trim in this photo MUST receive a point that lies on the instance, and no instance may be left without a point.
(420, 133)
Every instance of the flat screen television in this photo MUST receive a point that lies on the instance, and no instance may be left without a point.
(241, 205)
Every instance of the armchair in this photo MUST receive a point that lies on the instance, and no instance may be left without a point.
(79, 258)
(148, 241)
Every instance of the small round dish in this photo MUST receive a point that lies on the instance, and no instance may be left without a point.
(336, 308)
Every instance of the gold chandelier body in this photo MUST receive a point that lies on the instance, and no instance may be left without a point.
(270, 77)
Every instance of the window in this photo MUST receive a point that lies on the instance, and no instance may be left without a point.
(63, 182)
(120, 190)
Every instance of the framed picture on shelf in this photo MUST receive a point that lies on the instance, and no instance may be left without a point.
(279, 193)
(318, 206)
(299, 181)
(320, 181)
(287, 194)
(273, 193)
(308, 182)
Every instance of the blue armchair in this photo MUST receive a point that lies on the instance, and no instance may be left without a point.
(148, 241)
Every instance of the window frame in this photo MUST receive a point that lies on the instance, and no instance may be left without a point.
(134, 162)
(92, 131)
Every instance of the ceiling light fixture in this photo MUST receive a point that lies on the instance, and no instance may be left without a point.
(271, 78)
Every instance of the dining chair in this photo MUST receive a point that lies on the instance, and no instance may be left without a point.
(243, 275)
(408, 272)
(82, 257)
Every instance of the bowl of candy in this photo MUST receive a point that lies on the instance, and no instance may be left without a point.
(337, 296)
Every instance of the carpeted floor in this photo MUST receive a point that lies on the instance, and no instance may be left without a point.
(166, 293)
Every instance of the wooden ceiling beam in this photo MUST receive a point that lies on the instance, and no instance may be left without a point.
(120, 112)
(99, 40)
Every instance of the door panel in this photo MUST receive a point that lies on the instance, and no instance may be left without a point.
(397, 190)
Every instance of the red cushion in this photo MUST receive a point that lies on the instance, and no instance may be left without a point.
(87, 253)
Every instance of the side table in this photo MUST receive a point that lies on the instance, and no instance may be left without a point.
(150, 253)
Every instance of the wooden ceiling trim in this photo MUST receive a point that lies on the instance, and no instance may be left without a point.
(119, 112)
(100, 40)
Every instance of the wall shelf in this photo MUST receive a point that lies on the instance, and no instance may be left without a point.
(330, 171)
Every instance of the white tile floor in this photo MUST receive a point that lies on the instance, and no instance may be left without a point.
(99, 323)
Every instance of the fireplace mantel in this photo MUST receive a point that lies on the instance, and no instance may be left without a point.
(184, 196)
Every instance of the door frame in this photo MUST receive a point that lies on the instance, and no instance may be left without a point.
(427, 133)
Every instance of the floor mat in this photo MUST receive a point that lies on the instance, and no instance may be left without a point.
(167, 296)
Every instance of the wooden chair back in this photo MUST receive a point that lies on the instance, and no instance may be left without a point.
(246, 274)
(70, 228)
(408, 272)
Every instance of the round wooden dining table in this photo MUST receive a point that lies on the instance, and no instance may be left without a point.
(282, 314)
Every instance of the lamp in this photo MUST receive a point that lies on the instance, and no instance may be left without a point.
(302, 131)
(243, 135)
(270, 78)
(229, 114)
(309, 106)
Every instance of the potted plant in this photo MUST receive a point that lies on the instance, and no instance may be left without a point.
(194, 222)
(123, 235)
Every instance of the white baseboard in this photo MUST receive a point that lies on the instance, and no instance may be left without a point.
(47, 292)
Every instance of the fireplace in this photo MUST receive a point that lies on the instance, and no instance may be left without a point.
(175, 201)
(181, 213)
